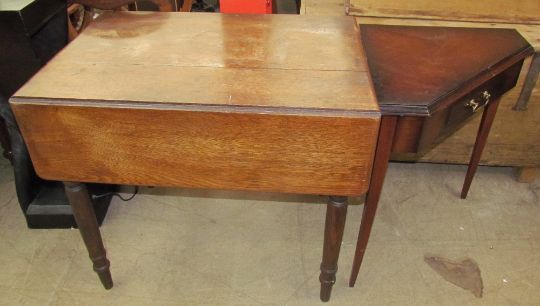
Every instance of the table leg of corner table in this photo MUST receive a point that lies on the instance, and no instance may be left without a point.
(382, 156)
(483, 132)
(84, 214)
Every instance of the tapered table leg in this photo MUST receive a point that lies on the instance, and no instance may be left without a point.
(336, 212)
(483, 132)
(382, 155)
(84, 214)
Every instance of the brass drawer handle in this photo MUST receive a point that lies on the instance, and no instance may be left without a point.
(475, 105)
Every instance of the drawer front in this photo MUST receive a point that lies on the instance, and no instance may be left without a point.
(446, 121)
(308, 154)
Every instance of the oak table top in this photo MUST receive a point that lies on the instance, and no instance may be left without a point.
(273, 103)
(223, 60)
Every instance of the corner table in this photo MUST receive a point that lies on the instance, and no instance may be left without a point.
(248, 102)
(429, 81)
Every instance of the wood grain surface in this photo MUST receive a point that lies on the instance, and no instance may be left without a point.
(248, 60)
(139, 146)
(420, 69)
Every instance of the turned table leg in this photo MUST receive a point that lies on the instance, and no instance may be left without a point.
(336, 212)
(483, 132)
(382, 155)
(84, 214)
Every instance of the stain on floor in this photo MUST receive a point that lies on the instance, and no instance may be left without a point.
(463, 273)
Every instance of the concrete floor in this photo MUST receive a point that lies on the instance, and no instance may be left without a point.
(186, 247)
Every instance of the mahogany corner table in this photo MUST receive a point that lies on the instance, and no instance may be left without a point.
(429, 81)
(248, 102)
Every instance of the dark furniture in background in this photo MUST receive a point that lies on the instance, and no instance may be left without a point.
(31, 33)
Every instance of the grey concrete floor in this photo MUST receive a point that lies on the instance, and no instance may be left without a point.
(193, 247)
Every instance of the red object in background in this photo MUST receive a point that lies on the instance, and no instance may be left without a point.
(246, 6)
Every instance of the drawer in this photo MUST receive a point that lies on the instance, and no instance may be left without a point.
(419, 134)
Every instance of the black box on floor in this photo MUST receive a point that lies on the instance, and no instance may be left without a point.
(51, 209)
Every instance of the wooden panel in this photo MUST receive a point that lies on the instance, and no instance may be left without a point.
(522, 11)
(515, 138)
(264, 60)
(200, 149)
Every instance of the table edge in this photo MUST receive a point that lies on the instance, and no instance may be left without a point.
(220, 108)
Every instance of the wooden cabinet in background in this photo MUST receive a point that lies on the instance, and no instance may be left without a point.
(522, 11)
